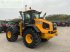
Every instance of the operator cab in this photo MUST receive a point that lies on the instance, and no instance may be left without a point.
(29, 16)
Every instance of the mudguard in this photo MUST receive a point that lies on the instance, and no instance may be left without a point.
(33, 27)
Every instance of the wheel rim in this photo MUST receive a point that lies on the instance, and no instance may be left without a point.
(29, 38)
(9, 34)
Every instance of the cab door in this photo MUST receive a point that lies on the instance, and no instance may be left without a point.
(27, 18)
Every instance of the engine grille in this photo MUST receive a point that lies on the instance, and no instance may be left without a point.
(45, 25)
(52, 32)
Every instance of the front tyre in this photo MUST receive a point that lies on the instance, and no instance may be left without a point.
(31, 38)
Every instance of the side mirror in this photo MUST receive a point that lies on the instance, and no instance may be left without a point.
(21, 13)
(44, 15)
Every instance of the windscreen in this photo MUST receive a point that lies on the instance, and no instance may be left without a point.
(36, 15)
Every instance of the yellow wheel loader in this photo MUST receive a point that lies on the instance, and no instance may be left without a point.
(32, 28)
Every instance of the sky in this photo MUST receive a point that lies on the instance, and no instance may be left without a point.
(9, 9)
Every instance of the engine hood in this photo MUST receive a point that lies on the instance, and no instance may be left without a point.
(43, 20)
(39, 24)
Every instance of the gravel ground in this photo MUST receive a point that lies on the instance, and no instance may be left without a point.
(60, 43)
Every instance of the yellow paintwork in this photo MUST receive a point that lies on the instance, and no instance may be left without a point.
(9, 34)
(44, 32)
(21, 27)
(39, 25)
(28, 38)
(48, 36)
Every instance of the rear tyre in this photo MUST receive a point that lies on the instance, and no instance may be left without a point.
(11, 34)
(31, 38)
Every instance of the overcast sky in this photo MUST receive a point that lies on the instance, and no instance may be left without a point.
(9, 9)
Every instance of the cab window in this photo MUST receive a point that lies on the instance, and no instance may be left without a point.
(36, 15)
(27, 16)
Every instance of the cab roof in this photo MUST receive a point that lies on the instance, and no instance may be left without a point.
(31, 11)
